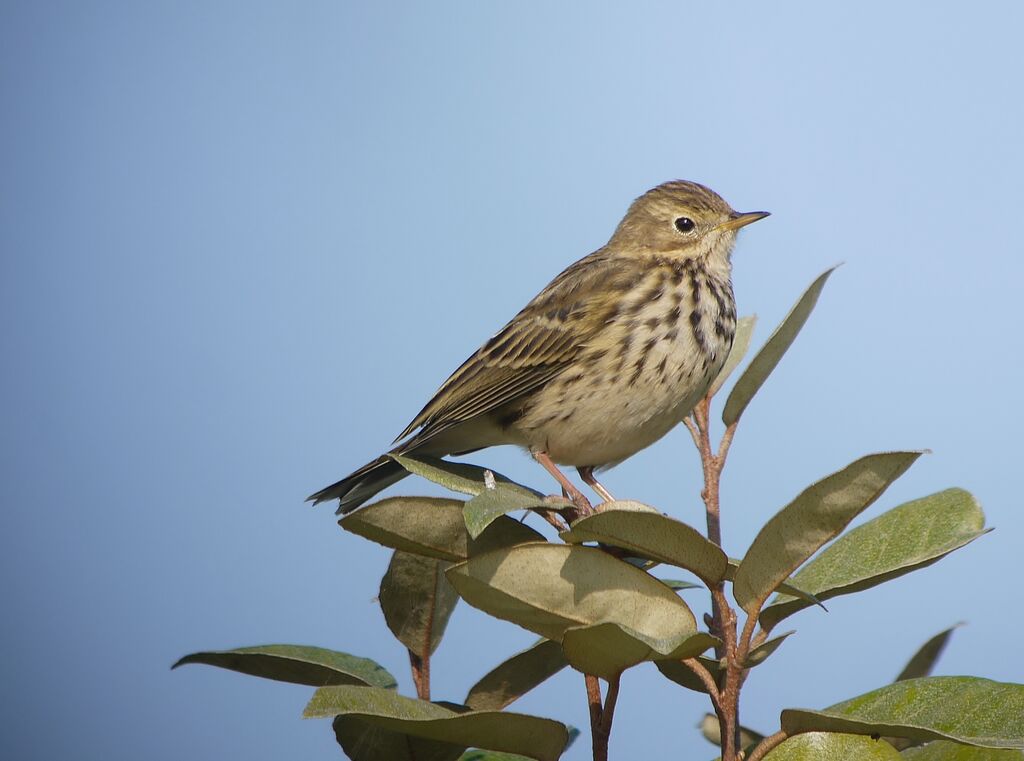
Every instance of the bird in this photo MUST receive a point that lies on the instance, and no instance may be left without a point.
(604, 361)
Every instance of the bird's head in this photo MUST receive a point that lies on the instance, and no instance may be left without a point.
(681, 219)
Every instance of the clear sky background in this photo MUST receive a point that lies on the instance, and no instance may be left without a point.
(242, 243)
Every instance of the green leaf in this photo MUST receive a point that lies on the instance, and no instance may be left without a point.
(759, 654)
(785, 587)
(531, 736)
(417, 601)
(678, 585)
(432, 527)
(683, 676)
(924, 660)
(764, 362)
(457, 476)
(942, 750)
(515, 677)
(364, 741)
(299, 664)
(652, 535)
(816, 516)
(548, 588)
(606, 650)
(493, 502)
(740, 344)
(822, 746)
(474, 754)
(965, 709)
(903, 539)
(487, 755)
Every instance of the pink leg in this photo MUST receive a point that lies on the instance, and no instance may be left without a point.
(587, 474)
(581, 502)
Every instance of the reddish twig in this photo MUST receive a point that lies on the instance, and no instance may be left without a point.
(598, 739)
(767, 745)
(601, 715)
(554, 518)
(707, 680)
(421, 674)
(608, 712)
(723, 618)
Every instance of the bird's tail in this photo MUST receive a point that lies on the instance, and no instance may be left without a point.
(363, 484)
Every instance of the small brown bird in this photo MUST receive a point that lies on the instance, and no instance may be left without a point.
(603, 362)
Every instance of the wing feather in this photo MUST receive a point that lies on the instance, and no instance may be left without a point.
(537, 344)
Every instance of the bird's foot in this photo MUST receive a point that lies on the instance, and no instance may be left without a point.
(580, 503)
(587, 474)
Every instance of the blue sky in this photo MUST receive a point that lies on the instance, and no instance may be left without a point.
(241, 244)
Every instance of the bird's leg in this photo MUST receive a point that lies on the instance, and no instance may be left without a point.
(587, 474)
(581, 502)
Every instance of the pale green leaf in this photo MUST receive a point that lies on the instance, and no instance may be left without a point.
(815, 517)
(432, 527)
(489, 755)
(608, 649)
(457, 476)
(943, 750)
(515, 677)
(903, 539)
(759, 654)
(924, 660)
(652, 535)
(548, 588)
(678, 585)
(534, 737)
(417, 601)
(968, 710)
(299, 664)
(475, 754)
(683, 676)
(363, 740)
(785, 587)
(827, 746)
(493, 502)
(765, 361)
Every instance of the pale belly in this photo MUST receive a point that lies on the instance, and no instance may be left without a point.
(608, 408)
(612, 422)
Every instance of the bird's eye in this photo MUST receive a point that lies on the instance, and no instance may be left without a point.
(685, 224)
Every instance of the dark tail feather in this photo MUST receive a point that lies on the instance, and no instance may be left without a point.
(355, 489)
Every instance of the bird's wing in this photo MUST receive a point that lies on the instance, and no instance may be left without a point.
(539, 342)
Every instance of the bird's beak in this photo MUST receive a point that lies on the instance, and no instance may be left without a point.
(737, 220)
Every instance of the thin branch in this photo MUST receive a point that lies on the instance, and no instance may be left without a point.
(767, 745)
(691, 426)
(759, 639)
(552, 517)
(712, 471)
(608, 712)
(420, 674)
(421, 664)
(706, 679)
(724, 618)
(598, 739)
(724, 444)
(743, 650)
